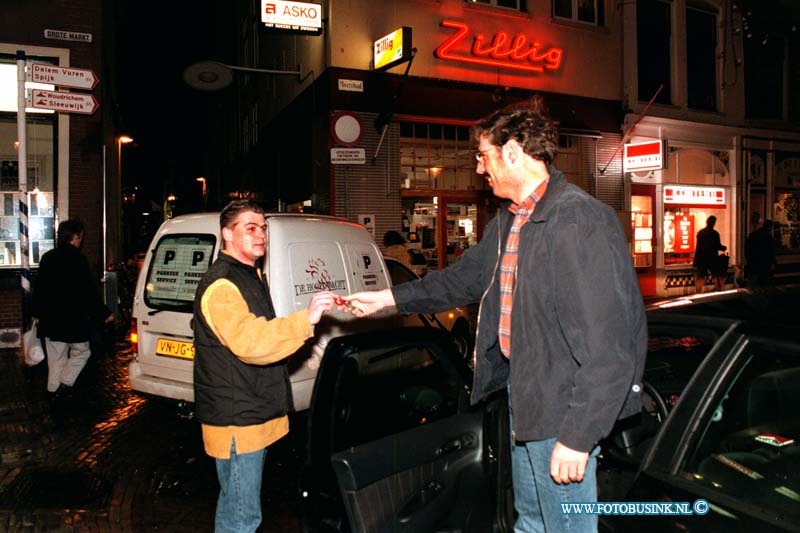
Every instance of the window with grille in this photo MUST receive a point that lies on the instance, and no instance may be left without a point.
(437, 156)
(575, 158)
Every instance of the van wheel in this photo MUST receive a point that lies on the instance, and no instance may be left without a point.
(462, 338)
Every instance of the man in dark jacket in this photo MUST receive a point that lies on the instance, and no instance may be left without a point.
(66, 300)
(706, 256)
(561, 319)
(759, 251)
(241, 384)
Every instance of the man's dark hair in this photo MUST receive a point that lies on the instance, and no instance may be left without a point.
(392, 237)
(711, 221)
(232, 210)
(67, 230)
(528, 123)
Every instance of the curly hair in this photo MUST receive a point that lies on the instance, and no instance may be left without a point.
(528, 123)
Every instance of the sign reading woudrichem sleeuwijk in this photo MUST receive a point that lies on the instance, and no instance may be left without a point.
(293, 16)
(77, 78)
(63, 102)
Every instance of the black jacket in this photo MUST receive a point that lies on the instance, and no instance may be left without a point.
(228, 391)
(578, 331)
(65, 297)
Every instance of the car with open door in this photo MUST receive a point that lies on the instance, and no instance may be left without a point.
(394, 445)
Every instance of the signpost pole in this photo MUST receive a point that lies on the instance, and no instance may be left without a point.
(22, 158)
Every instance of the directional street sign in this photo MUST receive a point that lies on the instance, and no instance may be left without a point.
(62, 102)
(77, 78)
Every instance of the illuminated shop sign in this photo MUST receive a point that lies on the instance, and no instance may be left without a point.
(501, 50)
(293, 16)
(695, 196)
(644, 156)
(392, 49)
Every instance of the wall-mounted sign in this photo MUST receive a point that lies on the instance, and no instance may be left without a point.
(345, 128)
(348, 156)
(61, 35)
(351, 86)
(293, 16)
(518, 53)
(647, 155)
(694, 196)
(392, 49)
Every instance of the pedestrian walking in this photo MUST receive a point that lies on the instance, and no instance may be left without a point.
(561, 319)
(241, 383)
(67, 302)
(759, 252)
(707, 258)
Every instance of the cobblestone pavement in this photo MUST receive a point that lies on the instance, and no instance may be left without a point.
(119, 462)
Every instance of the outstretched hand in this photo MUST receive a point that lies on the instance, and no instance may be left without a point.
(320, 303)
(367, 302)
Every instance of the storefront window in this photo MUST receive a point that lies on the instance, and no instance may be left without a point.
(696, 186)
(786, 206)
(437, 156)
(40, 178)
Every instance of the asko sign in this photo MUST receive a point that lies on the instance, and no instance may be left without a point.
(292, 16)
(520, 52)
(644, 156)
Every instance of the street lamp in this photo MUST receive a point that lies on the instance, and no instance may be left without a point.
(213, 75)
(202, 181)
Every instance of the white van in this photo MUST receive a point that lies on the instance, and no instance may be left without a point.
(305, 254)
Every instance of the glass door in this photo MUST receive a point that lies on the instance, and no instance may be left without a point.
(643, 240)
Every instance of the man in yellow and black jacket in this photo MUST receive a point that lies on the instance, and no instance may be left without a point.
(241, 384)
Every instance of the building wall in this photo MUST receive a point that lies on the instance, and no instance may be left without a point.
(589, 66)
(79, 139)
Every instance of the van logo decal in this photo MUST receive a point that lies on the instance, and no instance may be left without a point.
(320, 279)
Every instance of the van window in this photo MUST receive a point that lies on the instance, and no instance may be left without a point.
(179, 261)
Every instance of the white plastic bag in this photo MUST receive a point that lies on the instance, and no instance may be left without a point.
(32, 346)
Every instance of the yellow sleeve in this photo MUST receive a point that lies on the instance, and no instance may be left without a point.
(254, 340)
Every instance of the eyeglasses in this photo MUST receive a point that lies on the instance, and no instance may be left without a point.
(479, 154)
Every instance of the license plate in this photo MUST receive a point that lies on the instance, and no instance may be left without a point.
(171, 348)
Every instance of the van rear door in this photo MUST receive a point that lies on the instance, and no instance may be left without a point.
(165, 331)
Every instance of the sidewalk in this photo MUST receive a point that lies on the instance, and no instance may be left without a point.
(97, 473)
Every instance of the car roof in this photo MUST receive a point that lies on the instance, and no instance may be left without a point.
(772, 306)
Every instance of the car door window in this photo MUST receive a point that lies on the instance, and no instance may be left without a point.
(386, 391)
(750, 448)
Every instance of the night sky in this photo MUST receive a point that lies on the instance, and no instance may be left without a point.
(156, 40)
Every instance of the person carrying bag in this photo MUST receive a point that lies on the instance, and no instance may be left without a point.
(32, 350)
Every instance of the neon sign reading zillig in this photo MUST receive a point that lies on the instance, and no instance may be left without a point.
(518, 53)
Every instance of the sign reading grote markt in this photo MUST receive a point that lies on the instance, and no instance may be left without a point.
(62, 35)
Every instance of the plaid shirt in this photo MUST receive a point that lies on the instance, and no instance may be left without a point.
(508, 265)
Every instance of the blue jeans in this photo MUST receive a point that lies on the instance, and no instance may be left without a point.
(537, 498)
(239, 502)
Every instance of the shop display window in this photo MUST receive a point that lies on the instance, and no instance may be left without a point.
(681, 225)
(40, 197)
(786, 222)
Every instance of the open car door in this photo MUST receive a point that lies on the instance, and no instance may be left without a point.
(392, 435)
